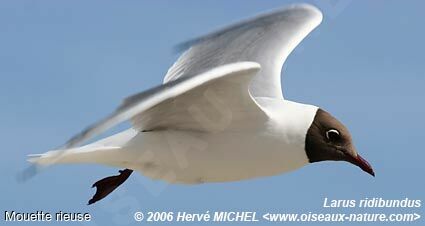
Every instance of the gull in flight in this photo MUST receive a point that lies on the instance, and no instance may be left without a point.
(219, 115)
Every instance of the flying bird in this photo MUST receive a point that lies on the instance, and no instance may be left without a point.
(220, 114)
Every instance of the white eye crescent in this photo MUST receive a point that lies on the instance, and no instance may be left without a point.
(332, 134)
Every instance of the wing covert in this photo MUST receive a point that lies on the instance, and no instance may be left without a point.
(221, 81)
(267, 39)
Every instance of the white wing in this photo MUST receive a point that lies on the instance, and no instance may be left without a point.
(188, 102)
(267, 39)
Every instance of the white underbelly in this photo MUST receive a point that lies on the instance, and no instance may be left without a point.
(193, 157)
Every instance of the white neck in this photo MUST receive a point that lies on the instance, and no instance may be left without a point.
(289, 120)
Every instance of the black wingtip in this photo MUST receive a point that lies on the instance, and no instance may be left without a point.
(183, 46)
(27, 173)
(179, 48)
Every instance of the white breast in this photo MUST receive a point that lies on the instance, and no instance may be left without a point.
(196, 157)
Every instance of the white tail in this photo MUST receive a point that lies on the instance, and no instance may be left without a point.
(85, 154)
(103, 151)
(39, 159)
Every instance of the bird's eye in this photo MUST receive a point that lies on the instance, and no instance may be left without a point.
(333, 135)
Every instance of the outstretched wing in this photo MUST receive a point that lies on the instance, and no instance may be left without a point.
(186, 102)
(267, 39)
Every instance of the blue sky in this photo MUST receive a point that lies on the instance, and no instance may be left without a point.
(64, 65)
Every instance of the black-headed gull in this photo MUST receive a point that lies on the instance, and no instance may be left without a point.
(219, 115)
